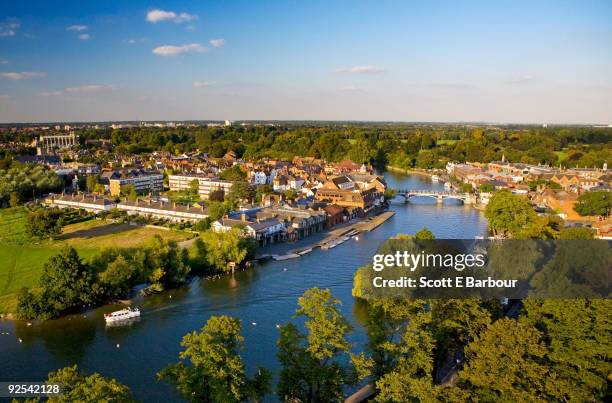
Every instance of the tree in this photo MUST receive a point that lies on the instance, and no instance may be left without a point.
(466, 188)
(290, 194)
(93, 388)
(14, 199)
(217, 209)
(194, 187)
(169, 264)
(578, 337)
(44, 222)
(411, 377)
(66, 283)
(118, 277)
(505, 363)
(261, 191)
(92, 183)
(486, 188)
(594, 203)
(508, 213)
(211, 369)
(227, 247)
(311, 370)
(233, 174)
(129, 191)
(241, 191)
(577, 233)
(424, 234)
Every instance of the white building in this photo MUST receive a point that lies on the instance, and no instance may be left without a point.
(205, 185)
(163, 210)
(259, 178)
(89, 202)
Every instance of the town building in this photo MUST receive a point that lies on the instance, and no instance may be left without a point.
(143, 181)
(206, 185)
(164, 210)
(88, 202)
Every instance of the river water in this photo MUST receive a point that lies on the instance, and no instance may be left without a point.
(261, 298)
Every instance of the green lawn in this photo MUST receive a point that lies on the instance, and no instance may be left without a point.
(22, 259)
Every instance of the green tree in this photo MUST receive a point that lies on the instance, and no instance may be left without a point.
(66, 283)
(311, 370)
(227, 247)
(505, 363)
(424, 234)
(578, 338)
(92, 183)
(44, 222)
(234, 174)
(241, 191)
(77, 387)
(217, 209)
(577, 233)
(486, 188)
(118, 277)
(411, 377)
(261, 191)
(169, 264)
(211, 369)
(508, 213)
(14, 199)
(129, 191)
(594, 203)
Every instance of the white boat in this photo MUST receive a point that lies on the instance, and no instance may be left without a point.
(435, 178)
(447, 185)
(124, 314)
(305, 251)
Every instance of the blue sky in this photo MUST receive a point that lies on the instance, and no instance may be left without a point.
(501, 61)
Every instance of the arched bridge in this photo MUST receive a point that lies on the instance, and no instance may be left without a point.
(440, 196)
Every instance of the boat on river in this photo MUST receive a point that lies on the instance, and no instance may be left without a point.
(122, 315)
(285, 257)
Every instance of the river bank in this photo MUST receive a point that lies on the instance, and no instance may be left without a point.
(260, 299)
(411, 171)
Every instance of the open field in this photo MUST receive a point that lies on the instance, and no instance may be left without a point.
(22, 259)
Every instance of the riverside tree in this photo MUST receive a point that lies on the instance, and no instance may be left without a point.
(311, 370)
(508, 213)
(227, 247)
(211, 369)
(78, 387)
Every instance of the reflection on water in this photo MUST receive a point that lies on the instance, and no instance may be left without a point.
(265, 296)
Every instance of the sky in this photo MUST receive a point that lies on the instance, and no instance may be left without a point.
(442, 61)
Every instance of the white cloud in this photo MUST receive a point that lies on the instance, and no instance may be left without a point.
(155, 16)
(84, 37)
(23, 75)
(78, 90)
(172, 50)
(8, 28)
(361, 70)
(3, 61)
(76, 28)
(202, 84)
(217, 43)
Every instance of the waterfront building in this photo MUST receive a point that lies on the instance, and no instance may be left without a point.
(265, 231)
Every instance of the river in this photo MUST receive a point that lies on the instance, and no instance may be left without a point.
(261, 298)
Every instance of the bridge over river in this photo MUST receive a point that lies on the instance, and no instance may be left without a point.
(439, 196)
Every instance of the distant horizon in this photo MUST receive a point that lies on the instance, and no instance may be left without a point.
(386, 61)
(240, 121)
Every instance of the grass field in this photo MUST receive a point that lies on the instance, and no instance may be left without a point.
(22, 259)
